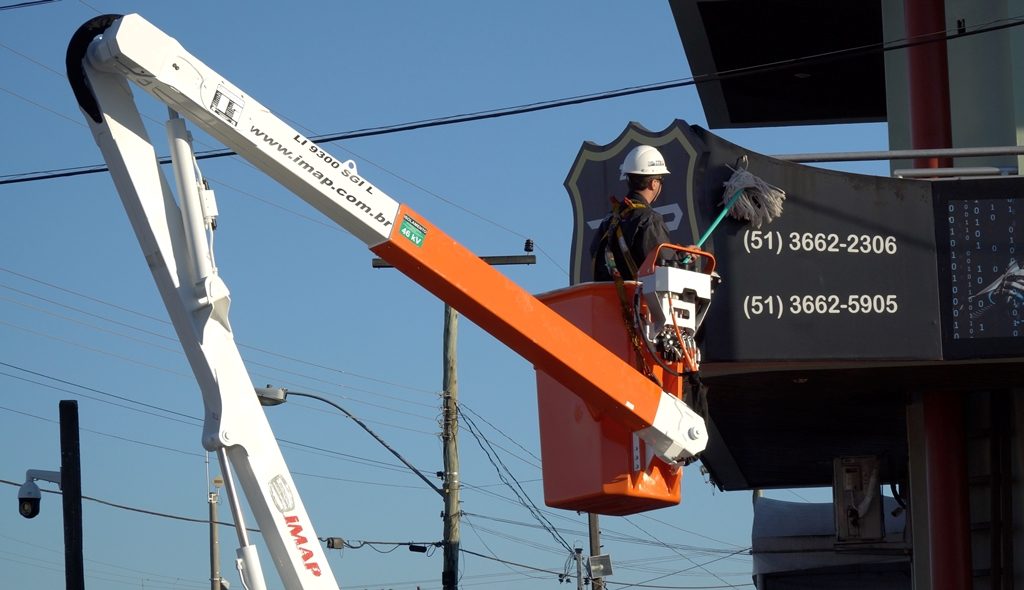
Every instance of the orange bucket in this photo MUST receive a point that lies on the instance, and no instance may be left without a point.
(590, 463)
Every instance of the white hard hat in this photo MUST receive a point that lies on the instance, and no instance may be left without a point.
(643, 159)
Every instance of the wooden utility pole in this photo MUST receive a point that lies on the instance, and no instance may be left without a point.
(450, 440)
(595, 548)
(579, 568)
(450, 428)
(214, 543)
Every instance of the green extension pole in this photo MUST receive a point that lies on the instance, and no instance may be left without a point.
(714, 224)
(721, 216)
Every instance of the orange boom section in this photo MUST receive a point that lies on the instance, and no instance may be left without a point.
(521, 321)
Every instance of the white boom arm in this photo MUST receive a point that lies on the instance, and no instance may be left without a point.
(174, 243)
(109, 51)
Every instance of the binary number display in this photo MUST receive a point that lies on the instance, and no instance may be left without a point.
(986, 281)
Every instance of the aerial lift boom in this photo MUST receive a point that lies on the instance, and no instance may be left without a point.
(108, 52)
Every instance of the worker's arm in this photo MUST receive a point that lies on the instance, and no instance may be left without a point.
(651, 233)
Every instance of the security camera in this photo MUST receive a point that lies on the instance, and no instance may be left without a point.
(29, 499)
(29, 496)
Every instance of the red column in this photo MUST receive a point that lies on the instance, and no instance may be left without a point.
(928, 76)
(945, 444)
(948, 512)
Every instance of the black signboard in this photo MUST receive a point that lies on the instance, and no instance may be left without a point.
(980, 250)
(847, 271)
(856, 268)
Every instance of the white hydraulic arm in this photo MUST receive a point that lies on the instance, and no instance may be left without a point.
(108, 52)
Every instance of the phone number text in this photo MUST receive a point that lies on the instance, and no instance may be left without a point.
(755, 240)
(775, 306)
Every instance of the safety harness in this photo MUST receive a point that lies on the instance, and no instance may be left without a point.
(613, 238)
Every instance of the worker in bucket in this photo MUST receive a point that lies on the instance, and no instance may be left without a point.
(633, 228)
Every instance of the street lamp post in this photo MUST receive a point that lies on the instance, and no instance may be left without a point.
(273, 396)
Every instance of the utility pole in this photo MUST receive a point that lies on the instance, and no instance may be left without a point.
(450, 440)
(595, 548)
(579, 568)
(214, 498)
(450, 428)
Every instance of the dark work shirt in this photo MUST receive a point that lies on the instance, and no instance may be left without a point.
(643, 230)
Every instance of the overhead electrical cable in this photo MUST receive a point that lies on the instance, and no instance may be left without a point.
(494, 556)
(174, 339)
(463, 406)
(26, 4)
(87, 396)
(824, 57)
(504, 474)
(283, 441)
(677, 552)
(205, 521)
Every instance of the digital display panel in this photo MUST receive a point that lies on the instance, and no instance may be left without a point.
(981, 250)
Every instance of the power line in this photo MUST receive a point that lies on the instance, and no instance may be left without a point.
(134, 509)
(185, 518)
(518, 490)
(881, 47)
(33, 60)
(418, 472)
(240, 345)
(350, 543)
(189, 375)
(193, 454)
(519, 541)
(311, 448)
(494, 555)
(103, 575)
(687, 531)
(26, 4)
(609, 533)
(507, 562)
(502, 433)
(103, 401)
(613, 536)
(645, 584)
(572, 101)
(679, 553)
(301, 446)
(92, 348)
(107, 434)
(177, 351)
(99, 391)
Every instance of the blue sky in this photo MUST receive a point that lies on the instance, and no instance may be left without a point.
(80, 317)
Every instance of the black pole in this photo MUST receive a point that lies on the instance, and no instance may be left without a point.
(71, 486)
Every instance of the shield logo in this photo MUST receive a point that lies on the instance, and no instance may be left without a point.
(594, 178)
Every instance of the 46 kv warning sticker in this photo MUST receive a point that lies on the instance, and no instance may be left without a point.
(413, 231)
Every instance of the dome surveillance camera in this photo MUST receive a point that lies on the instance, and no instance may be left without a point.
(29, 499)
(29, 495)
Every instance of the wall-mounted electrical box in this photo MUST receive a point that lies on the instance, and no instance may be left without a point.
(857, 497)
